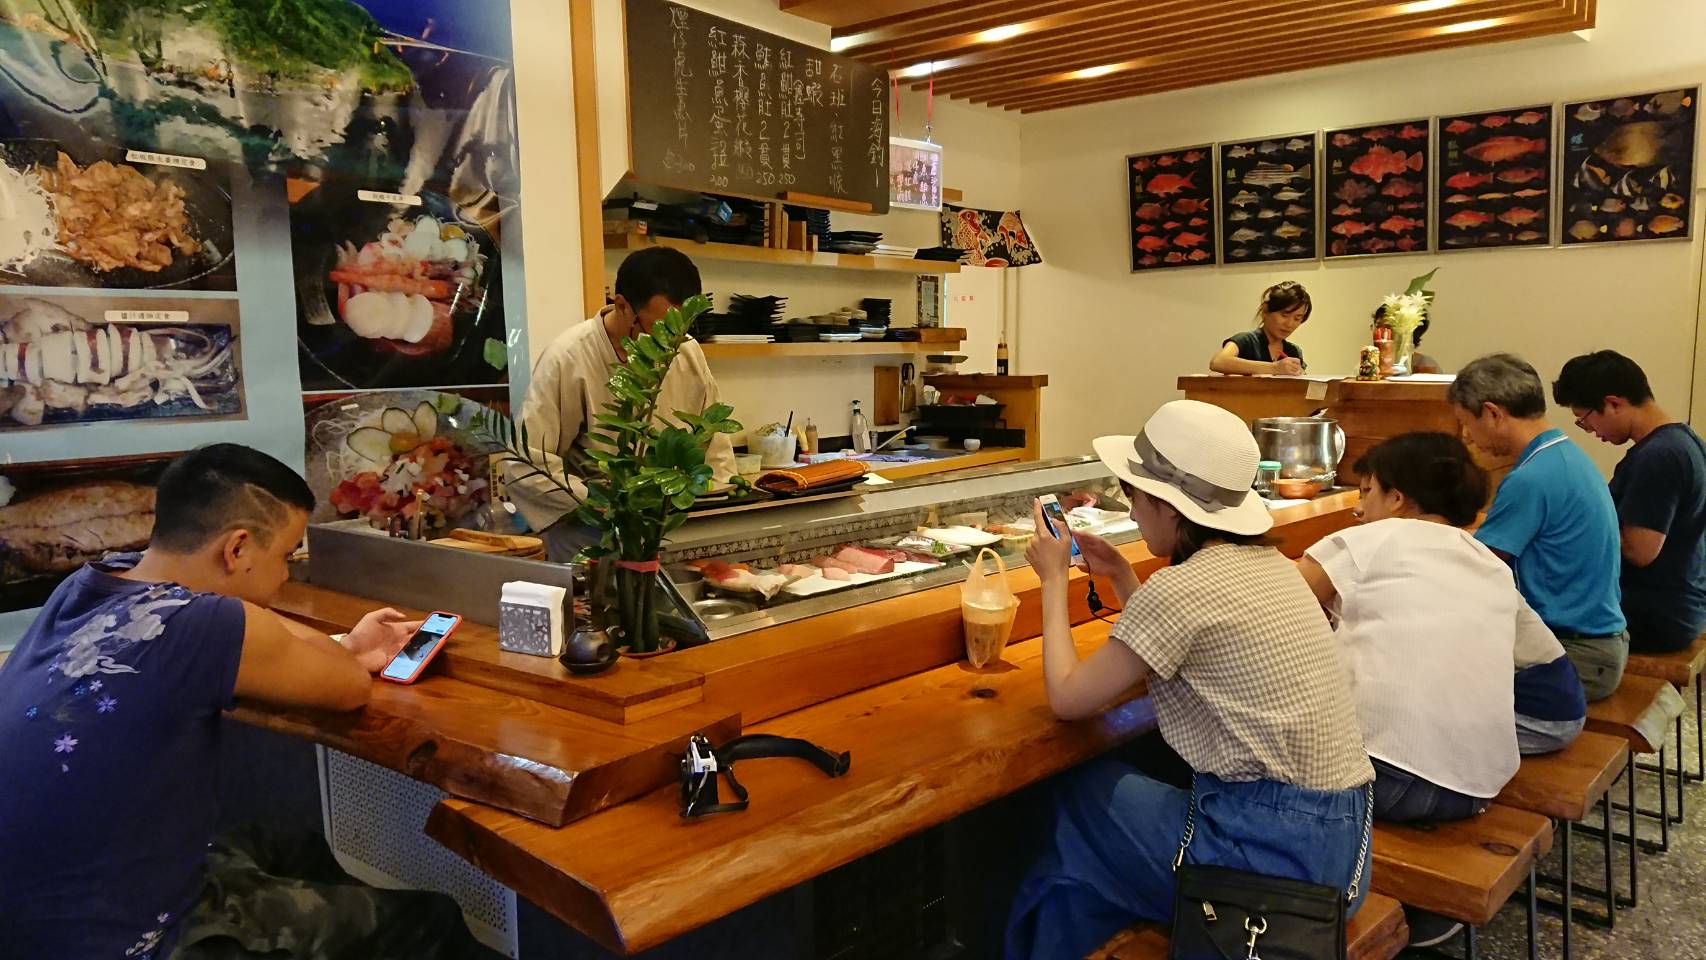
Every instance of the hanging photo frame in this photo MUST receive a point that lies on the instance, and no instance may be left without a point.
(1376, 189)
(1171, 195)
(1627, 167)
(1270, 201)
(915, 174)
(1494, 179)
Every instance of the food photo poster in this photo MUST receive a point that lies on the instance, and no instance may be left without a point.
(216, 216)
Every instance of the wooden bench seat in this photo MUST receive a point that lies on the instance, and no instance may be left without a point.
(1640, 711)
(1677, 669)
(1464, 870)
(1567, 784)
(1376, 932)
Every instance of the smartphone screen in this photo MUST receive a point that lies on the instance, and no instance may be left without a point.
(420, 647)
(1056, 520)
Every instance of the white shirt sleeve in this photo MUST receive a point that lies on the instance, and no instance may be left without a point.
(1535, 643)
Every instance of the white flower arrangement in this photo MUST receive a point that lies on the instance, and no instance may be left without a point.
(1404, 312)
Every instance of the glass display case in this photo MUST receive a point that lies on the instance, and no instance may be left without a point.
(744, 569)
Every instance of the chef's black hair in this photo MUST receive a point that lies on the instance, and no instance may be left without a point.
(222, 487)
(1434, 470)
(1588, 380)
(657, 270)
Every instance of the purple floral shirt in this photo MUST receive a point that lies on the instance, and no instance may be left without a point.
(109, 737)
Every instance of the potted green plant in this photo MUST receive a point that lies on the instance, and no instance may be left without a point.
(641, 476)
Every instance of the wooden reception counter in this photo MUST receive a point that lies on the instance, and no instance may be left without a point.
(1368, 411)
(574, 804)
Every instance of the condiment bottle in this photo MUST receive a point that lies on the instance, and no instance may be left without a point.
(860, 429)
(1001, 356)
(811, 436)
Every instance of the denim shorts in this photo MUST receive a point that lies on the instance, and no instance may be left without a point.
(1110, 857)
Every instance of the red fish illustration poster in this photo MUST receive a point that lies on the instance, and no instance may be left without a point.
(1268, 199)
(1628, 167)
(1376, 189)
(1495, 179)
(1172, 207)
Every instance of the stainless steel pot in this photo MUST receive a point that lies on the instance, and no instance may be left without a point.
(1306, 448)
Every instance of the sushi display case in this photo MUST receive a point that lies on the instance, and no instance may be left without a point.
(741, 571)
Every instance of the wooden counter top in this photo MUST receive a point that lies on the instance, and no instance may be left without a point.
(985, 381)
(924, 750)
(987, 456)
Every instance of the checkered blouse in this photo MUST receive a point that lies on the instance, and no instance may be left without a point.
(1249, 682)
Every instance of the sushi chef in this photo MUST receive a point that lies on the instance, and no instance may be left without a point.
(570, 385)
(1268, 349)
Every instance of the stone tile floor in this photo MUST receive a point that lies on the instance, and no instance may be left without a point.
(1668, 924)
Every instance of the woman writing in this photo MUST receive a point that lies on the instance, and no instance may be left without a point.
(1249, 687)
(1268, 348)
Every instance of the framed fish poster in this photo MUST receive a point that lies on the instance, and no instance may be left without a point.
(1172, 207)
(1628, 167)
(1376, 189)
(1268, 199)
(1494, 181)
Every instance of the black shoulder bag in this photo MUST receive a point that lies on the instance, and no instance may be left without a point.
(1224, 914)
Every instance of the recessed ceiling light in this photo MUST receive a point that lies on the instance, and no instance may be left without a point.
(998, 34)
(1091, 72)
(1425, 6)
(1470, 26)
(919, 69)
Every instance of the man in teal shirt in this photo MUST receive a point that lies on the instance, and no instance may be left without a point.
(1552, 518)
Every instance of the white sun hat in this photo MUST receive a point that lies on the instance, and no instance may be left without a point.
(1200, 459)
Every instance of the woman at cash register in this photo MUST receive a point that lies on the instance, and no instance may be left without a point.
(1268, 349)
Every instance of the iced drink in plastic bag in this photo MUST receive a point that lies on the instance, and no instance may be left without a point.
(987, 611)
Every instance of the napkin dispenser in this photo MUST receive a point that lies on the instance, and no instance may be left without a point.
(533, 618)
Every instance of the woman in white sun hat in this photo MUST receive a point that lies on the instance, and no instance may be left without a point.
(1248, 684)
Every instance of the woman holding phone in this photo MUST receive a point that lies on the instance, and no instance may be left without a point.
(1268, 349)
(1249, 688)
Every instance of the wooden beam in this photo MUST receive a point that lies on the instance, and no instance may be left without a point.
(840, 13)
(908, 41)
(1204, 61)
(1254, 38)
(584, 68)
(1044, 99)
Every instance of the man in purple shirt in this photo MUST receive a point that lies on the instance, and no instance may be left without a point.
(110, 719)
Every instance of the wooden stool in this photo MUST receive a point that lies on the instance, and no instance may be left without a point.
(1680, 670)
(1639, 711)
(1377, 932)
(1566, 785)
(1465, 870)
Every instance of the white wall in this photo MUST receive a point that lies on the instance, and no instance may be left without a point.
(981, 158)
(1114, 343)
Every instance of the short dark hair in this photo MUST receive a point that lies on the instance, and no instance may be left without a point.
(657, 270)
(222, 487)
(1586, 381)
(1503, 380)
(1433, 469)
(1415, 335)
(1287, 295)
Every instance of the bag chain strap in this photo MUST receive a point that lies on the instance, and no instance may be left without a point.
(1362, 853)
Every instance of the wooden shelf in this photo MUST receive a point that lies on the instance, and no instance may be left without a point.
(787, 258)
(880, 348)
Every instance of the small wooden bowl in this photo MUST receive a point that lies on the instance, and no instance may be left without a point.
(1297, 489)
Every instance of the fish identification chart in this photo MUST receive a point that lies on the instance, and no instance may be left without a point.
(1629, 167)
(1495, 179)
(1377, 189)
(1268, 199)
(1172, 207)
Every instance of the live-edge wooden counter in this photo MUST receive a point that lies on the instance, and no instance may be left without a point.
(930, 740)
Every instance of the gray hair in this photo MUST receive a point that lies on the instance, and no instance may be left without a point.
(1503, 380)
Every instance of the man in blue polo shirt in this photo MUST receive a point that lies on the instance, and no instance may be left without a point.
(1660, 492)
(1552, 518)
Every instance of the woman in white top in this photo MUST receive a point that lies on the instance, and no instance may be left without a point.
(1433, 629)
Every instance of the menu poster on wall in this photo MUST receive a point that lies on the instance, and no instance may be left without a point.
(58, 515)
(1377, 189)
(1268, 199)
(85, 359)
(1172, 207)
(915, 174)
(1629, 167)
(80, 215)
(393, 289)
(1495, 179)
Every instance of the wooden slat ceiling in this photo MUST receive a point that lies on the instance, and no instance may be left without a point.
(1031, 55)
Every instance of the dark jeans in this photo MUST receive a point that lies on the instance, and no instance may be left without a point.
(1403, 797)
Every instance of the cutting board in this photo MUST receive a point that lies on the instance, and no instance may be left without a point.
(885, 396)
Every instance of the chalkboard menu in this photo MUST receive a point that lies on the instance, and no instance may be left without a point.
(721, 107)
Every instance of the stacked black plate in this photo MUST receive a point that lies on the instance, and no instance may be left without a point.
(756, 314)
(943, 254)
(851, 241)
(877, 310)
(817, 221)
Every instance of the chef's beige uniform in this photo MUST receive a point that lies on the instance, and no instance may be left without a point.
(570, 384)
